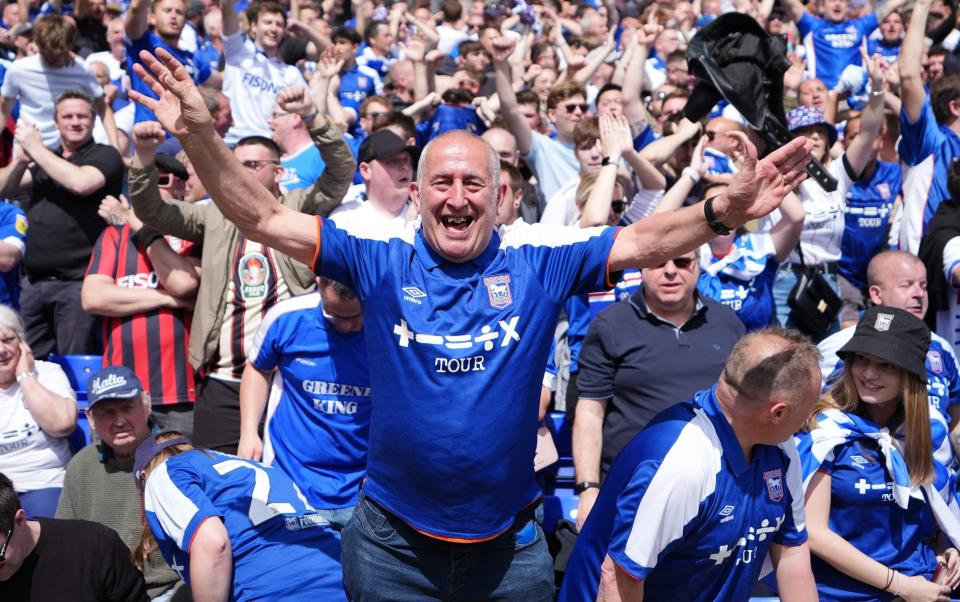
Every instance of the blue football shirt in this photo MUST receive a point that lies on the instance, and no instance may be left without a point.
(863, 511)
(13, 231)
(302, 169)
(743, 279)
(867, 221)
(832, 46)
(458, 351)
(320, 427)
(199, 71)
(282, 550)
(683, 510)
(927, 148)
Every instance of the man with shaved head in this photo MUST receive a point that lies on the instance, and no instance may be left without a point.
(457, 313)
(674, 513)
(899, 279)
(533, 203)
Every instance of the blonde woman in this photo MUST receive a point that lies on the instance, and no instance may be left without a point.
(878, 493)
(234, 529)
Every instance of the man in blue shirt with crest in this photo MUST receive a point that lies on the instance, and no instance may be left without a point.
(458, 321)
(694, 504)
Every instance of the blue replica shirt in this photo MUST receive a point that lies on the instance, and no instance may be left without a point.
(356, 85)
(890, 52)
(454, 427)
(625, 288)
(683, 510)
(943, 375)
(863, 511)
(209, 55)
(833, 46)
(867, 221)
(927, 148)
(13, 231)
(149, 41)
(743, 279)
(282, 550)
(719, 163)
(302, 169)
(448, 117)
(366, 57)
(320, 428)
(645, 137)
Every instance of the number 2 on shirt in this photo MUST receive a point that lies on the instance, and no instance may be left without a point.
(260, 509)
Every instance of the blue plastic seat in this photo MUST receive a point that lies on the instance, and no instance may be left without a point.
(79, 369)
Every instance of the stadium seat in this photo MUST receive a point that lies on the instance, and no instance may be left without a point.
(79, 368)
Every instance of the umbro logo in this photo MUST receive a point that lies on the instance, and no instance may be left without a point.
(413, 294)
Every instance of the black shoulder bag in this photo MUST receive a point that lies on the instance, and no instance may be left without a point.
(814, 303)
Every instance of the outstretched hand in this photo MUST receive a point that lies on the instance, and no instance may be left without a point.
(760, 186)
(179, 107)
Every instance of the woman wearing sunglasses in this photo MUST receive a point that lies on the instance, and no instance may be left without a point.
(739, 269)
(879, 496)
(234, 529)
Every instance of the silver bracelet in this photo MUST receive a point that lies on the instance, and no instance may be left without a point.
(25, 375)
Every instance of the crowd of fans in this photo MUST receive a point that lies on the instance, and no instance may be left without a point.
(125, 234)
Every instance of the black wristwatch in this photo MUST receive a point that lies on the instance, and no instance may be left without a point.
(712, 220)
(581, 487)
(605, 161)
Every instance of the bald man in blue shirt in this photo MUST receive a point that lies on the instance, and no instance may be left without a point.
(459, 318)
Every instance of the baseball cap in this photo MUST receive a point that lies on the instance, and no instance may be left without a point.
(113, 382)
(894, 335)
(170, 165)
(384, 144)
(149, 448)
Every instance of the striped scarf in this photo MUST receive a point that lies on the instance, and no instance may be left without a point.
(835, 428)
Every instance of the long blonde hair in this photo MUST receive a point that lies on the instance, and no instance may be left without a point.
(148, 543)
(918, 442)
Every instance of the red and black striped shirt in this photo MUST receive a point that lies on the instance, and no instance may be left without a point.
(154, 344)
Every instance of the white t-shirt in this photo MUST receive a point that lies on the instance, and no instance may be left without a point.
(561, 207)
(948, 320)
(31, 458)
(361, 218)
(37, 87)
(450, 38)
(251, 82)
(823, 226)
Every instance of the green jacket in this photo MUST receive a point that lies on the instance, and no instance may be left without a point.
(205, 224)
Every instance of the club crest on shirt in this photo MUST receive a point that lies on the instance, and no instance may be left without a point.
(936, 363)
(254, 272)
(498, 290)
(362, 82)
(774, 481)
(884, 189)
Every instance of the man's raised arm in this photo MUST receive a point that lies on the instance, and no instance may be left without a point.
(238, 195)
(757, 189)
(509, 108)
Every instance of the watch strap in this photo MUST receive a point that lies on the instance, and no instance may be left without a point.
(712, 220)
(581, 487)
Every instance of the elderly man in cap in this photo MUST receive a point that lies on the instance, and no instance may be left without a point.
(386, 166)
(99, 485)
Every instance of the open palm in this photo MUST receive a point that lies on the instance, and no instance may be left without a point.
(179, 107)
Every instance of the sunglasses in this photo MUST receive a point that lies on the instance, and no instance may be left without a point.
(682, 263)
(572, 107)
(164, 180)
(6, 542)
(257, 165)
(371, 114)
(619, 205)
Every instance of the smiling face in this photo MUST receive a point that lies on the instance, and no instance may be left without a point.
(458, 195)
(121, 423)
(268, 31)
(877, 380)
(74, 119)
(9, 355)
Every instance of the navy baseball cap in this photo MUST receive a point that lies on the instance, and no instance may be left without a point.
(148, 450)
(113, 382)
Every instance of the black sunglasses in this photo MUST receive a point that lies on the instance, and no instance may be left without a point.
(619, 206)
(573, 106)
(6, 542)
(682, 263)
